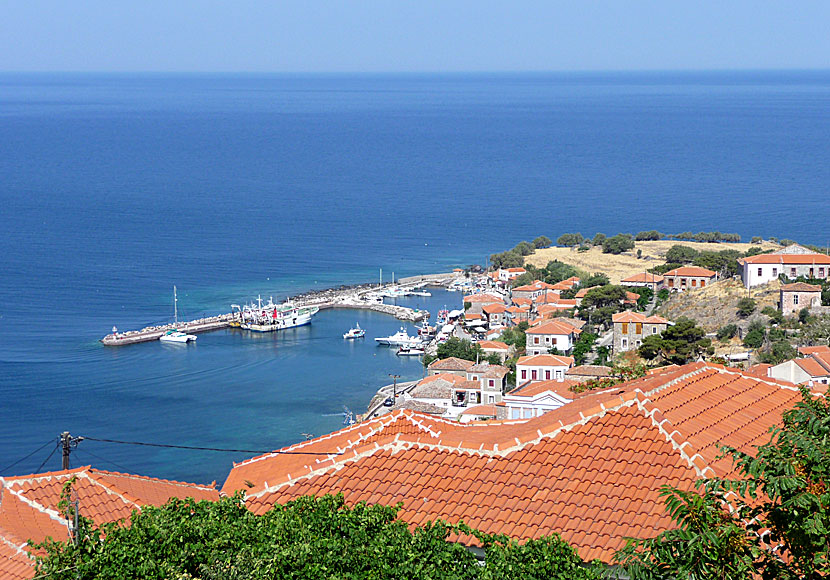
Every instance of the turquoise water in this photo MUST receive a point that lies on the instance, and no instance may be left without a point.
(115, 188)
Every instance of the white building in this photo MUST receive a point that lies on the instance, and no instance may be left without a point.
(548, 335)
(792, 261)
(542, 367)
(534, 399)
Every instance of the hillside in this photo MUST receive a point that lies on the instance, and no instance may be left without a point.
(716, 305)
(619, 267)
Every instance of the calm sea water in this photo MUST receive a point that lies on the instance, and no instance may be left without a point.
(115, 188)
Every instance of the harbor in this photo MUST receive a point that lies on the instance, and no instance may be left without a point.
(362, 297)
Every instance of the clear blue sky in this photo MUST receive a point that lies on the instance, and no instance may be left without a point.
(411, 35)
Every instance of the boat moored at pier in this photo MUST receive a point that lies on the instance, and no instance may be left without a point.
(271, 317)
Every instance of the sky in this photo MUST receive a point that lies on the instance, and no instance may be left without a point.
(412, 35)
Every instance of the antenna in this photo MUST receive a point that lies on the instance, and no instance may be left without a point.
(175, 306)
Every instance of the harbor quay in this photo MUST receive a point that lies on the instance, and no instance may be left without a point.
(351, 297)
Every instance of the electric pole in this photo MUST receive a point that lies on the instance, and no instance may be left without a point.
(67, 443)
(394, 387)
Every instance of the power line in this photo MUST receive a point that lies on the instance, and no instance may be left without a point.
(45, 461)
(209, 448)
(5, 469)
(99, 458)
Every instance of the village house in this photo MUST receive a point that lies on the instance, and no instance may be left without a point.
(542, 367)
(792, 261)
(492, 380)
(551, 334)
(532, 291)
(478, 301)
(644, 279)
(496, 314)
(583, 373)
(517, 314)
(478, 413)
(592, 470)
(453, 365)
(501, 349)
(797, 296)
(811, 370)
(535, 399)
(630, 328)
(688, 278)
(438, 390)
(567, 284)
(508, 274)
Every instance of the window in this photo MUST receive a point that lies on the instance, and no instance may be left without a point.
(491, 382)
(671, 282)
(524, 374)
(795, 299)
(624, 343)
(792, 273)
(547, 374)
(683, 281)
(533, 375)
(775, 272)
(694, 282)
(821, 272)
(558, 373)
(491, 398)
(653, 330)
(760, 272)
(638, 328)
(535, 340)
(547, 340)
(702, 283)
(625, 328)
(515, 413)
(812, 272)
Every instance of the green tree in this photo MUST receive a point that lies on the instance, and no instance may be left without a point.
(746, 306)
(464, 349)
(771, 522)
(774, 314)
(678, 344)
(726, 332)
(756, 240)
(645, 293)
(755, 335)
(509, 259)
(583, 347)
(804, 315)
(524, 248)
(649, 235)
(557, 271)
(679, 254)
(523, 279)
(569, 240)
(618, 244)
(599, 238)
(595, 279)
(600, 303)
(542, 242)
(779, 352)
(515, 335)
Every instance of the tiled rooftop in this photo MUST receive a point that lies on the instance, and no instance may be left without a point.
(590, 470)
(450, 364)
(694, 271)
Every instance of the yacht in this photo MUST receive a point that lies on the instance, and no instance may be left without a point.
(270, 317)
(177, 336)
(400, 338)
(410, 351)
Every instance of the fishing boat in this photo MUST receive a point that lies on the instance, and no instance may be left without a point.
(270, 317)
(425, 330)
(355, 332)
(400, 338)
(410, 351)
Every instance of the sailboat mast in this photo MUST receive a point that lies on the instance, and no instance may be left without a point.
(175, 306)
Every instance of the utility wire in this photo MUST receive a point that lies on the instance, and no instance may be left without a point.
(99, 458)
(5, 469)
(209, 448)
(45, 461)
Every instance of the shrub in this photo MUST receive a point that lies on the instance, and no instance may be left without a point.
(678, 254)
(524, 248)
(649, 235)
(618, 244)
(599, 238)
(756, 240)
(775, 316)
(569, 240)
(746, 306)
(727, 332)
(542, 242)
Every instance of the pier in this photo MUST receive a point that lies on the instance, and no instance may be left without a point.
(353, 298)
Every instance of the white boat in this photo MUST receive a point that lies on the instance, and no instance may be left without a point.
(400, 338)
(393, 292)
(355, 332)
(418, 293)
(410, 351)
(425, 330)
(177, 336)
(270, 317)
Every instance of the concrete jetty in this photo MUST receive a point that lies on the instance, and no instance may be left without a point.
(354, 298)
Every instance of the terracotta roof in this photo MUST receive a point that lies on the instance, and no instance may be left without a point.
(591, 470)
(489, 371)
(450, 364)
(421, 407)
(561, 388)
(555, 299)
(522, 301)
(494, 308)
(692, 271)
(644, 277)
(29, 506)
(800, 287)
(631, 316)
(794, 259)
(484, 298)
(759, 370)
(583, 291)
(440, 386)
(590, 371)
(469, 316)
(553, 327)
(518, 309)
(481, 410)
(492, 345)
(575, 322)
(534, 286)
(814, 349)
(520, 270)
(546, 360)
(812, 367)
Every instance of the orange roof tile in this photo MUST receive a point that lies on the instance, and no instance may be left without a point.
(561, 388)
(483, 298)
(800, 287)
(590, 371)
(693, 271)
(591, 470)
(631, 316)
(546, 360)
(450, 364)
(553, 327)
(494, 308)
(812, 367)
(786, 259)
(29, 506)
(758, 371)
(493, 345)
(814, 349)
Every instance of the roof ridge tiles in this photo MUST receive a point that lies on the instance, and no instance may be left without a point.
(109, 488)
(53, 514)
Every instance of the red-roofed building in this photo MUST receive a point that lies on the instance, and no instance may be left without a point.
(517, 314)
(797, 296)
(591, 470)
(503, 350)
(535, 399)
(551, 334)
(532, 291)
(792, 261)
(811, 370)
(508, 274)
(454, 365)
(689, 278)
(495, 313)
(542, 367)
(644, 279)
(29, 507)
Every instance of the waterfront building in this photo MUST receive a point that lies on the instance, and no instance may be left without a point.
(591, 470)
(477, 302)
(792, 261)
(630, 328)
(542, 367)
(797, 296)
(689, 278)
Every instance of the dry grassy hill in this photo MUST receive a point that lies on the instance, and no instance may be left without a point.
(619, 267)
(717, 305)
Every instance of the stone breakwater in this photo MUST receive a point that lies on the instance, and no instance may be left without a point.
(354, 297)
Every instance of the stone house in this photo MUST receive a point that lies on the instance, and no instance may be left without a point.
(630, 328)
(688, 278)
(797, 296)
(452, 365)
(495, 313)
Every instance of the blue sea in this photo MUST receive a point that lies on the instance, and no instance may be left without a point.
(114, 188)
